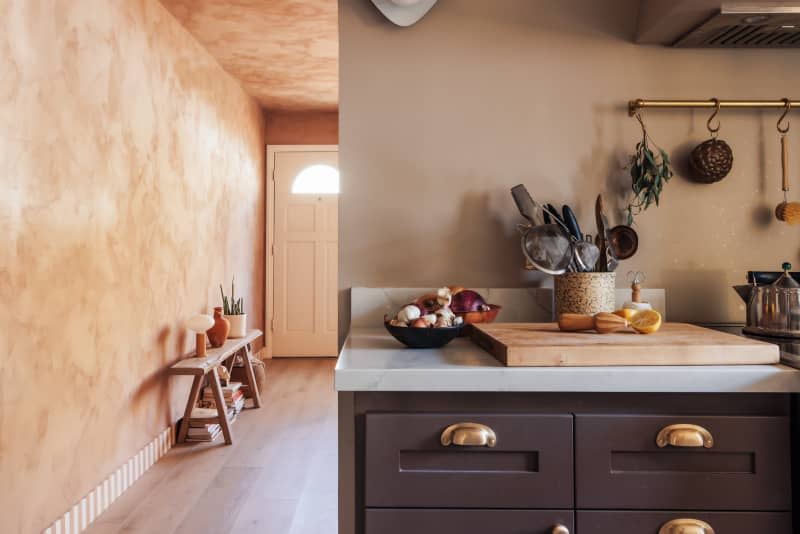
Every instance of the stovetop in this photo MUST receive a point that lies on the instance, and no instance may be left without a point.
(790, 347)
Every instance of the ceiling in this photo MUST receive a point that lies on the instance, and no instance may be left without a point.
(285, 53)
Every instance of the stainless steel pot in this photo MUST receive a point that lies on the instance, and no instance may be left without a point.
(774, 309)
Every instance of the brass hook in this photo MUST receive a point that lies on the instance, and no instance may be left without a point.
(712, 130)
(638, 116)
(788, 107)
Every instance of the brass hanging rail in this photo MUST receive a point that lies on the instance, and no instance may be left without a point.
(638, 104)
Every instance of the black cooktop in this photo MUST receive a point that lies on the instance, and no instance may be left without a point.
(790, 347)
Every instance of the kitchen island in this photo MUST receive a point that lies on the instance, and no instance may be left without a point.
(440, 440)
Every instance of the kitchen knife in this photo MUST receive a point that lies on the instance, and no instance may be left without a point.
(611, 260)
(602, 263)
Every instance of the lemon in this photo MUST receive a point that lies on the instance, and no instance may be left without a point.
(626, 313)
(646, 321)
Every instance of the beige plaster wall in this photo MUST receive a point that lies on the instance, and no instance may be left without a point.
(302, 128)
(132, 174)
(438, 121)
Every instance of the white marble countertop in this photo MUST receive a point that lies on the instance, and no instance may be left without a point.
(372, 360)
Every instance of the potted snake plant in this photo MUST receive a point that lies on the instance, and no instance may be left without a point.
(234, 312)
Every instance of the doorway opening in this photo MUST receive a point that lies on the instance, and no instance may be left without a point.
(302, 250)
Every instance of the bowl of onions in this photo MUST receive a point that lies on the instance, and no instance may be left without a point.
(426, 323)
(424, 337)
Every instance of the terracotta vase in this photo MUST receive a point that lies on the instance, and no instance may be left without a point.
(218, 333)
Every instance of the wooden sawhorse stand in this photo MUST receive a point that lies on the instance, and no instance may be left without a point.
(200, 367)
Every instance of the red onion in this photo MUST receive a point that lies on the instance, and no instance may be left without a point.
(468, 301)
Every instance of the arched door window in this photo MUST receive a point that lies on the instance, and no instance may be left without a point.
(316, 180)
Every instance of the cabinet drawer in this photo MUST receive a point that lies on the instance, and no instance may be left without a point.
(388, 521)
(620, 465)
(529, 466)
(601, 522)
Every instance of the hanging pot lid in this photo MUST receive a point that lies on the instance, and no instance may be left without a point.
(404, 12)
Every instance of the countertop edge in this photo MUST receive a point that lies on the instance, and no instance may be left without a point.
(385, 368)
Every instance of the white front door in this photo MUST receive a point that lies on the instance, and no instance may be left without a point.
(306, 255)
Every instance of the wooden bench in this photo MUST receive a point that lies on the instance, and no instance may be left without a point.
(200, 367)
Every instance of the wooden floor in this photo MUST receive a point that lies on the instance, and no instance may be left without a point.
(279, 476)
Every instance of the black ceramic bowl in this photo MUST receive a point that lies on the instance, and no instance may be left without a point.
(424, 338)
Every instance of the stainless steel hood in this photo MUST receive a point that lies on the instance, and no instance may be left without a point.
(715, 24)
(743, 27)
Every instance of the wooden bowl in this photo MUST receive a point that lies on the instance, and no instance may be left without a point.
(424, 338)
(624, 241)
(476, 317)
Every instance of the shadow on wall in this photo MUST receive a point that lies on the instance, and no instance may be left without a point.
(170, 349)
(344, 315)
(478, 229)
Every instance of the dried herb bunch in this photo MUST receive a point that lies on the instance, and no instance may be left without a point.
(650, 170)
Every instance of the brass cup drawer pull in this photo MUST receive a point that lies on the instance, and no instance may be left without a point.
(685, 435)
(559, 529)
(686, 526)
(469, 435)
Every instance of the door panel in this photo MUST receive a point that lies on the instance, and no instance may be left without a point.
(300, 286)
(618, 464)
(529, 466)
(306, 261)
(416, 521)
(628, 522)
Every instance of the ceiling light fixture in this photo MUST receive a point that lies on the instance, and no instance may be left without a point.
(755, 19)
(404, 12)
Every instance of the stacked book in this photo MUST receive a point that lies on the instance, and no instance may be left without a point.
(233, 395)
(201, 431)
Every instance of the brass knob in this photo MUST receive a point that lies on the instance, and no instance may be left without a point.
(469, 435)
(685, 435)
(559, 529)
(686, 526)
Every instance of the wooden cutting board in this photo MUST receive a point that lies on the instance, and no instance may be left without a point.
(543, 345)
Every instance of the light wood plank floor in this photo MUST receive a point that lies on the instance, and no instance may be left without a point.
(279, 476)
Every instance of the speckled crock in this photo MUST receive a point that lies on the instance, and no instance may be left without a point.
(586, 293)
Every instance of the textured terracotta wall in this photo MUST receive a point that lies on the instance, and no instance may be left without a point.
(302, 128)
(440, 120)
(132, 173)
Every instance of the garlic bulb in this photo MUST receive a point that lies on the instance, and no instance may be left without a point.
(444, 297)
(441, 322)
(446, 313)
(444, 317)
(458, 320)
(430, 318)
(409, 314)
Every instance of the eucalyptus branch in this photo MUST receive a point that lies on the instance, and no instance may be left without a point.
(650, 170)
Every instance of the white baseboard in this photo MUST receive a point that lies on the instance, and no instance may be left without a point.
(90, 507)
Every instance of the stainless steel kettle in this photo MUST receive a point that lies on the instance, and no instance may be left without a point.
(774, 309)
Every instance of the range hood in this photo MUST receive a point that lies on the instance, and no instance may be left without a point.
(712, 24)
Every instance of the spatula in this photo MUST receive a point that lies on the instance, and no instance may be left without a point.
(526, 205)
